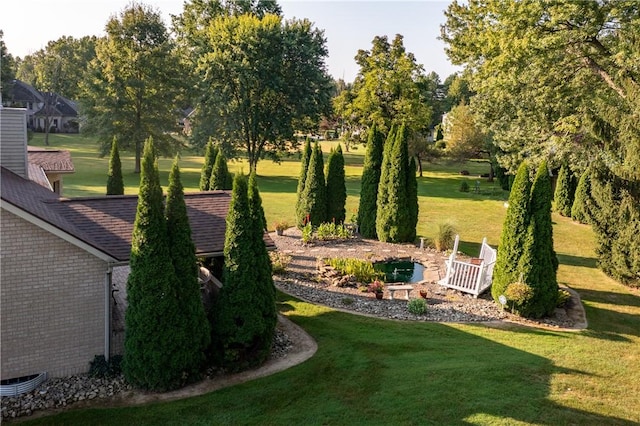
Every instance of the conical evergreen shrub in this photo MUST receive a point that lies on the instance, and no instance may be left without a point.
(243, 321)
(336, 187)
(152, 313)
(304, 166)
(580, 211)
(115, 182)
(255, 202)
(514, 231)
(367, 208)
(538, 263)
(220, 176)
(412, 200)
(314, 197)
(210, 154)
(565, 190)
(192, 326)
(383, 220)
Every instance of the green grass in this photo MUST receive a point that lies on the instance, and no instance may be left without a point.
(373, 371)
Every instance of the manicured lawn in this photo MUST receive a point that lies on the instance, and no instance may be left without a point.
(372, 371)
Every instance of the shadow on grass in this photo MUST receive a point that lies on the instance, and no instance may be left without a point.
(570, 260)
(612, 315)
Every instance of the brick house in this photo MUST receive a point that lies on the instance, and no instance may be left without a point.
(57, 260)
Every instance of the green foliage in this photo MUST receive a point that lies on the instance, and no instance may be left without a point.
(417, 306)
(336, 188)
(307, 233)
(463, 136)
(301, 214)
(565, 191)
(582, 204)
(514, 230)
(362, 270)
(279, 262)
(445, 237)
(563, 298)
(8, 69)
(191, 328)
(220, 176)
(115, 183)
(332, 231)
(258, 78)
(314, 197)
(244, 317)
(152, 315)
(210, 155)
(255, 203)
(519, 296)
(369, 183)
(539, 263)
(412, 200)
(132, 89)
(103, 369)
(464, 186)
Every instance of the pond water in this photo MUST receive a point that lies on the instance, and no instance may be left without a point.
(401, 271)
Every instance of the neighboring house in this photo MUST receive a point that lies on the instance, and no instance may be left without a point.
(48, 166)
(42, 107)
(57, 260)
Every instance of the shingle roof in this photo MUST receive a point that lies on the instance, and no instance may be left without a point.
(57, 105)
(106, 223)
(51, 160)
(23, 92)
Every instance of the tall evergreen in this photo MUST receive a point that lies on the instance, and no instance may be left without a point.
(192, 325)
(369, 183)
(538, 263)
(580, 211)
(255, 201)
(514, 231)
(243, 320)
(382, 203)
(220, 176)
(115, 183)
(153, 310)
(412, 200)
(314, 197)
(336, 187)
(210, 154)
(565, 191)
(304, 166)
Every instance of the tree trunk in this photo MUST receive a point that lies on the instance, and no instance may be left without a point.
(491, 171)
(419, 165)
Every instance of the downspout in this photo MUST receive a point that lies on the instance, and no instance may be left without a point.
(107, 312)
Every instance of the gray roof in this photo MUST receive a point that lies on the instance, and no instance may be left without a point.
(106, 223)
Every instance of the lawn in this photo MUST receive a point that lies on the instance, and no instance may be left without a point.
(373, 371)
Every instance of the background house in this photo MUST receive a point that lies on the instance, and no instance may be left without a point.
(57, 261)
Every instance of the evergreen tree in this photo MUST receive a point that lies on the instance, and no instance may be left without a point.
(191, 323)
(514, 232)
(314, 197)
(336, 188)
(369, 184)
(565, 191)
(304, 166)
(538, 263)
(210, 154)
(255, 201)
(115, 183)
(412, 200)
(220, 176)
(244, 319)
(153, 311)
(382, 219)
(580, 211)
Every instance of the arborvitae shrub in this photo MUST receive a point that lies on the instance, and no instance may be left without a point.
(580, 211)
(210, 154)
(115, 183)
(513, 234)
(369, 184)
(412, 201)
(192, 326)
(383, 218)
(304, 166)
(314, 196)
(220, 176)
(565, 190)
(336, 188)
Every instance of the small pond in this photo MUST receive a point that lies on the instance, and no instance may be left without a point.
(404, 271)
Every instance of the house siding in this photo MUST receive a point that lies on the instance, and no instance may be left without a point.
(13, 140)
(52, 296)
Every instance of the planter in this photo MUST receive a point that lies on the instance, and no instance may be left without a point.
(279, 231)
(379, 296)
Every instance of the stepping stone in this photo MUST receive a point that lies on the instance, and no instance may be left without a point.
(402, 251)
(314, 250)
(351, 249)
(334, 249)
(299, 251)
(386, 251)
(367, 250)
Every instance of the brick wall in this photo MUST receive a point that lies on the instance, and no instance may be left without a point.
(51, 302)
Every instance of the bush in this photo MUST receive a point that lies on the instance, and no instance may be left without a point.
(563, 298)
(464, 186)
(518, 296)
(103, 369)
(362, 270)
(417, 306)
(445, 237)
(307, 233)
(331, 231)
(279, 262)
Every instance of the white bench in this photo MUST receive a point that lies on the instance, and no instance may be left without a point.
(470, 277)
(393, 288)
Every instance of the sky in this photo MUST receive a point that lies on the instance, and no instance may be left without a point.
(349, 25)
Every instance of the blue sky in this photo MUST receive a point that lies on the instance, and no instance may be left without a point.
(348, 26)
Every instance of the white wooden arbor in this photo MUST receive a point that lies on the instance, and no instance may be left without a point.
(472, 277)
